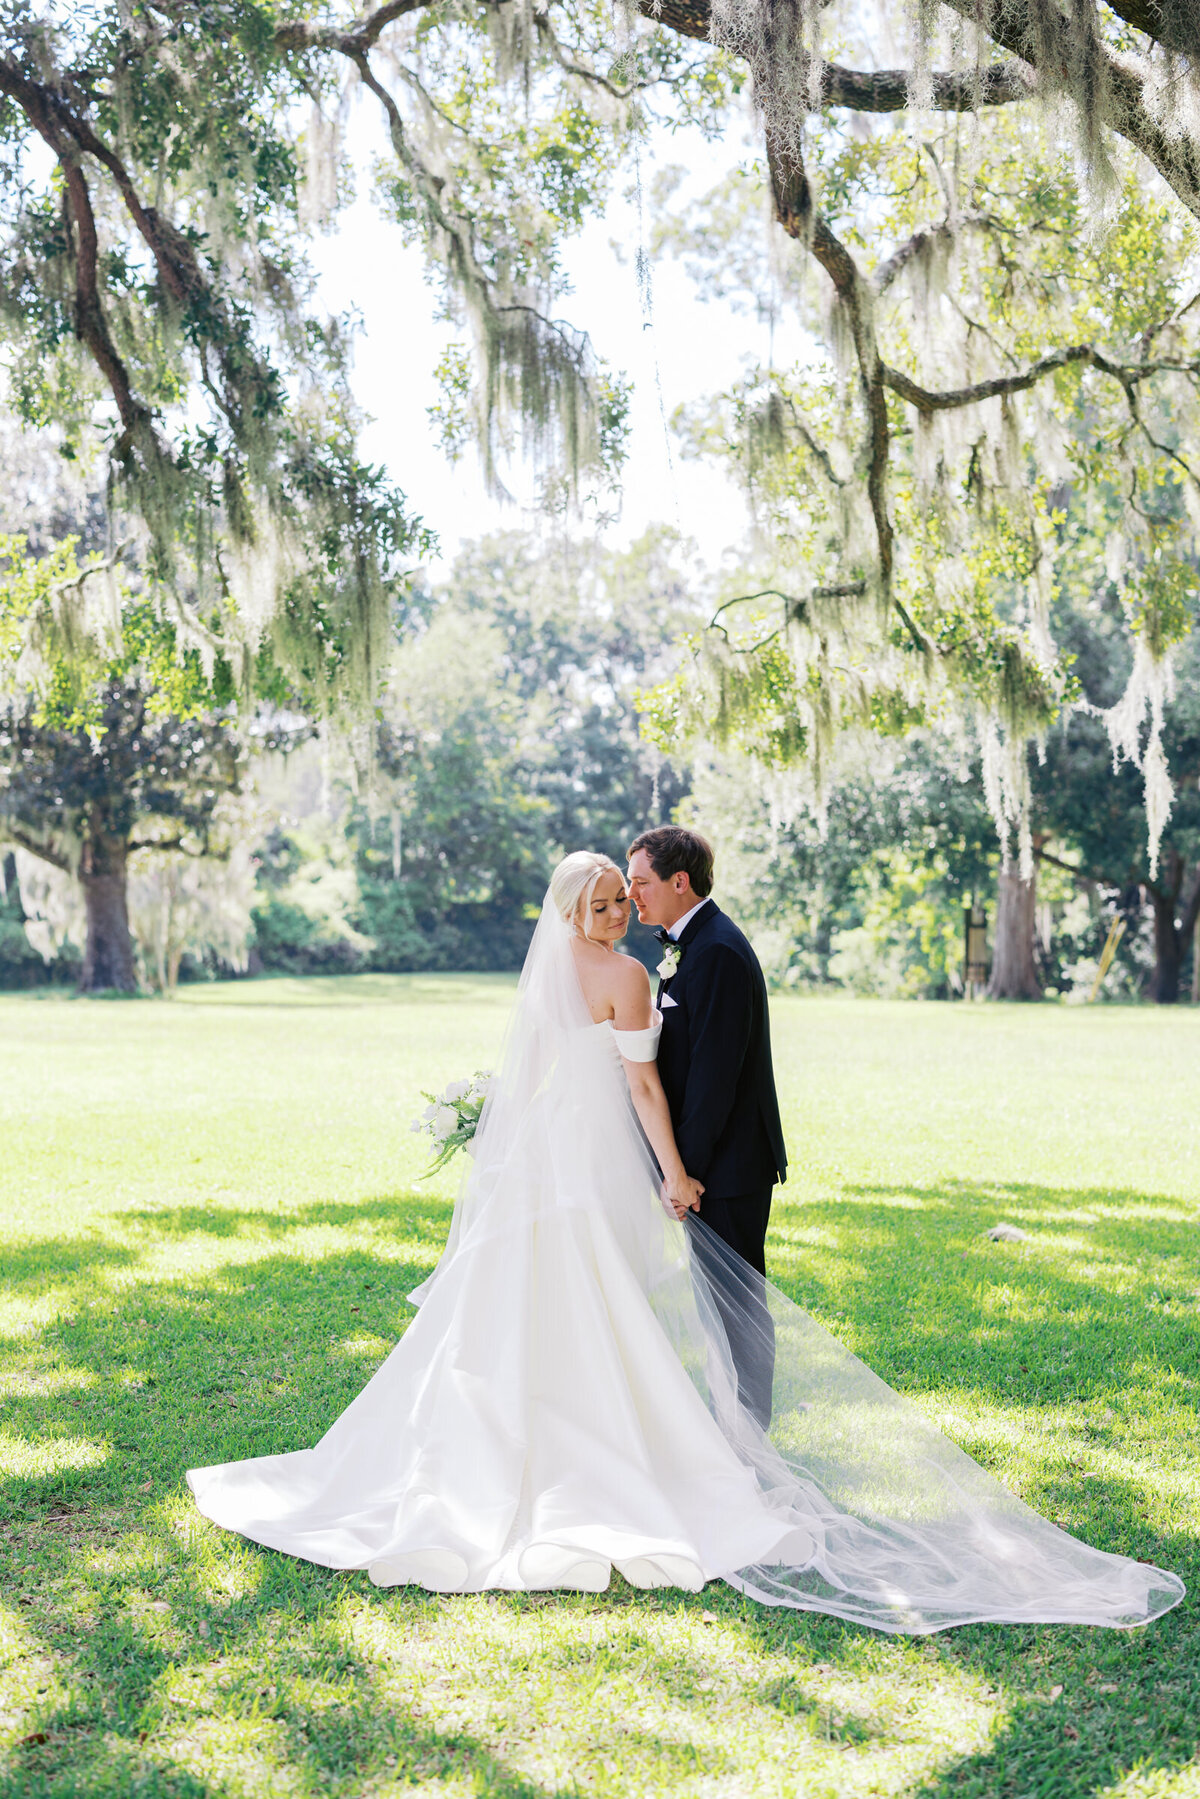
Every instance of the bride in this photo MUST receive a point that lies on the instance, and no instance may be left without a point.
(564, 1402)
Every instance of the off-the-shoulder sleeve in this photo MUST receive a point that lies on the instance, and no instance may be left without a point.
(640, 1046)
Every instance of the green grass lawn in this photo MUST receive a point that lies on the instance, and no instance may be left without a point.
(209, 1217)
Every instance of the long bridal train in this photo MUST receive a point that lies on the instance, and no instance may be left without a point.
(564, 1402)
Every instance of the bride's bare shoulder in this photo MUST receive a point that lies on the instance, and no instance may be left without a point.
(631, 994)
(614, 986)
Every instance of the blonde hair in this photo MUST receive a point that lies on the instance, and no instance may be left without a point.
(573, 882)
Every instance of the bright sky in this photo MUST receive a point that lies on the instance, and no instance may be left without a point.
(688, 349)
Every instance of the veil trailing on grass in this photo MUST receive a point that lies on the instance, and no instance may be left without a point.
(878, 1518)
(565, 1400)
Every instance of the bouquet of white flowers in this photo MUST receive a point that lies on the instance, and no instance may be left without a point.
(452, 1117)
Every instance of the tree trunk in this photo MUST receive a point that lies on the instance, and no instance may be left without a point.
(1014, 975)
(108, 959)
(1176, 917)
(1168, 950)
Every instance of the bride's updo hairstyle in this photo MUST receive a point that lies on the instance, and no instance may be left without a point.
(572, 883)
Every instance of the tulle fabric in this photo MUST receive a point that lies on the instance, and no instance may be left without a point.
(566, 1401)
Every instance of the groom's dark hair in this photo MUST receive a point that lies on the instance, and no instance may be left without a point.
(672, 851)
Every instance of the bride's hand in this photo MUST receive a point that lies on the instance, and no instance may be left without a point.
(683, 1194)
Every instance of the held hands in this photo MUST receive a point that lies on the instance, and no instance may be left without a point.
(682, 1194)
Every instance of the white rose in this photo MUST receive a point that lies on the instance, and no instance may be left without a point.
(430, 1113)
(480, 1085)
(446, 1121)
(457, 1090)
(667, 967)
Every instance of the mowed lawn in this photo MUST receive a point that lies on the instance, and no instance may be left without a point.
(210, 1217)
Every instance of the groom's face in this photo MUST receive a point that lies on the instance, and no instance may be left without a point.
(658, 901)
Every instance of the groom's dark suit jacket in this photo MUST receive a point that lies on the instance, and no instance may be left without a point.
(714, 1060)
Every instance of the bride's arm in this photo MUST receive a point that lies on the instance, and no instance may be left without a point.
(632, 1011)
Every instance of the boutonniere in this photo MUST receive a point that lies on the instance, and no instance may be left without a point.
(672, 956)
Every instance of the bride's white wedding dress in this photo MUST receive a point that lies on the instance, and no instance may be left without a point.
(564, 1402)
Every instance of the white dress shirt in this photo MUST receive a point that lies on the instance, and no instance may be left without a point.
(674, 930)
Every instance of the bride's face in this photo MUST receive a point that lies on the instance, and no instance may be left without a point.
(607, 914)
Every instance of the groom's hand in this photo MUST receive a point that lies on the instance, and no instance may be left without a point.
(683, 1195)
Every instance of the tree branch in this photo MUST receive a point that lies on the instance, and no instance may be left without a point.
(358, 38)
(1080, 874)
(868, 90)
(14, 834)
(858, 90)
(91, 327)
(1011, 24)
(794, 608)
(929, 400)
(47, 116)
(792, 197)
(104, 566)
(809, 440)
(1175, 27)
(180, 274)
(890, 90)
(898, 261)
(55, 121)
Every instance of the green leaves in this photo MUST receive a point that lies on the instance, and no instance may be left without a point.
(1161, 601)
(156, 313)
(1000, 382)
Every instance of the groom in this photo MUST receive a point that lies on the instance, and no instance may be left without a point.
(714, 1059)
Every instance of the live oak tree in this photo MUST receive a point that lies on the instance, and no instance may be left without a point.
(111, 739)
(84, 800)
(155, 292)
(908, 835)
(153, 303)
(981, 512)
(104, 743)
(1094, 815)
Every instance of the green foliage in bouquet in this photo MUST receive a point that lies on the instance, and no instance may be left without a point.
(452, 1117)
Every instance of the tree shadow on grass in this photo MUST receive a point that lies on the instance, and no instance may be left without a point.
(74, 1261)
(313, 1718)
(1093, 1321)
(1087, 1706)
(1080, 1709)
(31, 1267)
(258, 1356)
(1098, 1293)
(249, 1359)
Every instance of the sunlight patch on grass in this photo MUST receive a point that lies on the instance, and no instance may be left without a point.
(357, 1349)
(701, 1704)
(24, 1458)
(1156, 1783)
(39, 1379)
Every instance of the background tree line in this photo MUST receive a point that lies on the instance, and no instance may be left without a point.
(513, 728)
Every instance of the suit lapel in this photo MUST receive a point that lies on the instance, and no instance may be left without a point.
(707, 915)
